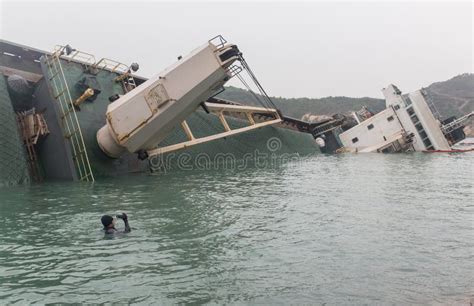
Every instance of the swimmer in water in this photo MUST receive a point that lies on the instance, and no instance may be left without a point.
(109, 224)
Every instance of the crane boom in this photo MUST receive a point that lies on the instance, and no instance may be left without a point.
(142, 118)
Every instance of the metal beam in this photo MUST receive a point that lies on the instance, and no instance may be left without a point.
(187, 130)
(224, 122)
(196, 141)
(216, 107)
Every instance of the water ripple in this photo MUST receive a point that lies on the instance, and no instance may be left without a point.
(346, 229)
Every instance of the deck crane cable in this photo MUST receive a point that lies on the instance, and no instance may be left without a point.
(259, 86)
(265, 103)
(252, 92)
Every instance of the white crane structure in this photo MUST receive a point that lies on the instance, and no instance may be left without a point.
(139, 120)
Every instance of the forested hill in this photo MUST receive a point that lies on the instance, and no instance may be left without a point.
(452, 97)
(297, 107)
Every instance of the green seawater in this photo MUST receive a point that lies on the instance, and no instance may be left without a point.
(345, 229)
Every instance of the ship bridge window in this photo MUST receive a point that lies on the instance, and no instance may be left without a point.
(390, 118)
(419, 127)
(410, 111)
(355, 139)
(408, 100)
(427, 142)
(370, 126)
(423, 134)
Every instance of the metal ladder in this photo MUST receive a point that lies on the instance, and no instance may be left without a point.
(128, 83)
(71, 127)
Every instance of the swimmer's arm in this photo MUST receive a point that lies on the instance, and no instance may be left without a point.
(127, 226)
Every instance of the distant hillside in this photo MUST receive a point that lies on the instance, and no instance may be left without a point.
(455, 96)
(452, 97)
(297, 107)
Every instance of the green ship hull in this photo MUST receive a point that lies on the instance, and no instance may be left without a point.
(55, 158)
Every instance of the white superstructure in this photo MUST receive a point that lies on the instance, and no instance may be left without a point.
(407, 123)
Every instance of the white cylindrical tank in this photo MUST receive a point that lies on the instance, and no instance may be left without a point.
(108, 144)
(320, 142)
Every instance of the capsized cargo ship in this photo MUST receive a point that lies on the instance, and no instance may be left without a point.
(67, 116)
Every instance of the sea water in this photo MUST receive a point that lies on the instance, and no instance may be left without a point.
(340, 229)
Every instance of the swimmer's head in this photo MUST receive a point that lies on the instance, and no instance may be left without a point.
(107, 221)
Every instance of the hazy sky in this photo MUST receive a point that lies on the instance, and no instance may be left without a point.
(296, 49)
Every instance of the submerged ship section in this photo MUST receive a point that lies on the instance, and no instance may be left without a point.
(58, 101)
(65, 115)
(410, 122)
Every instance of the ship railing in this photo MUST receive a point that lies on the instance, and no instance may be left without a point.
(66, 52)
(456, 124)
(218, 41)
(87, 59)
(111, 65)
(70, 124)
(124, 72)
(431, 105)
